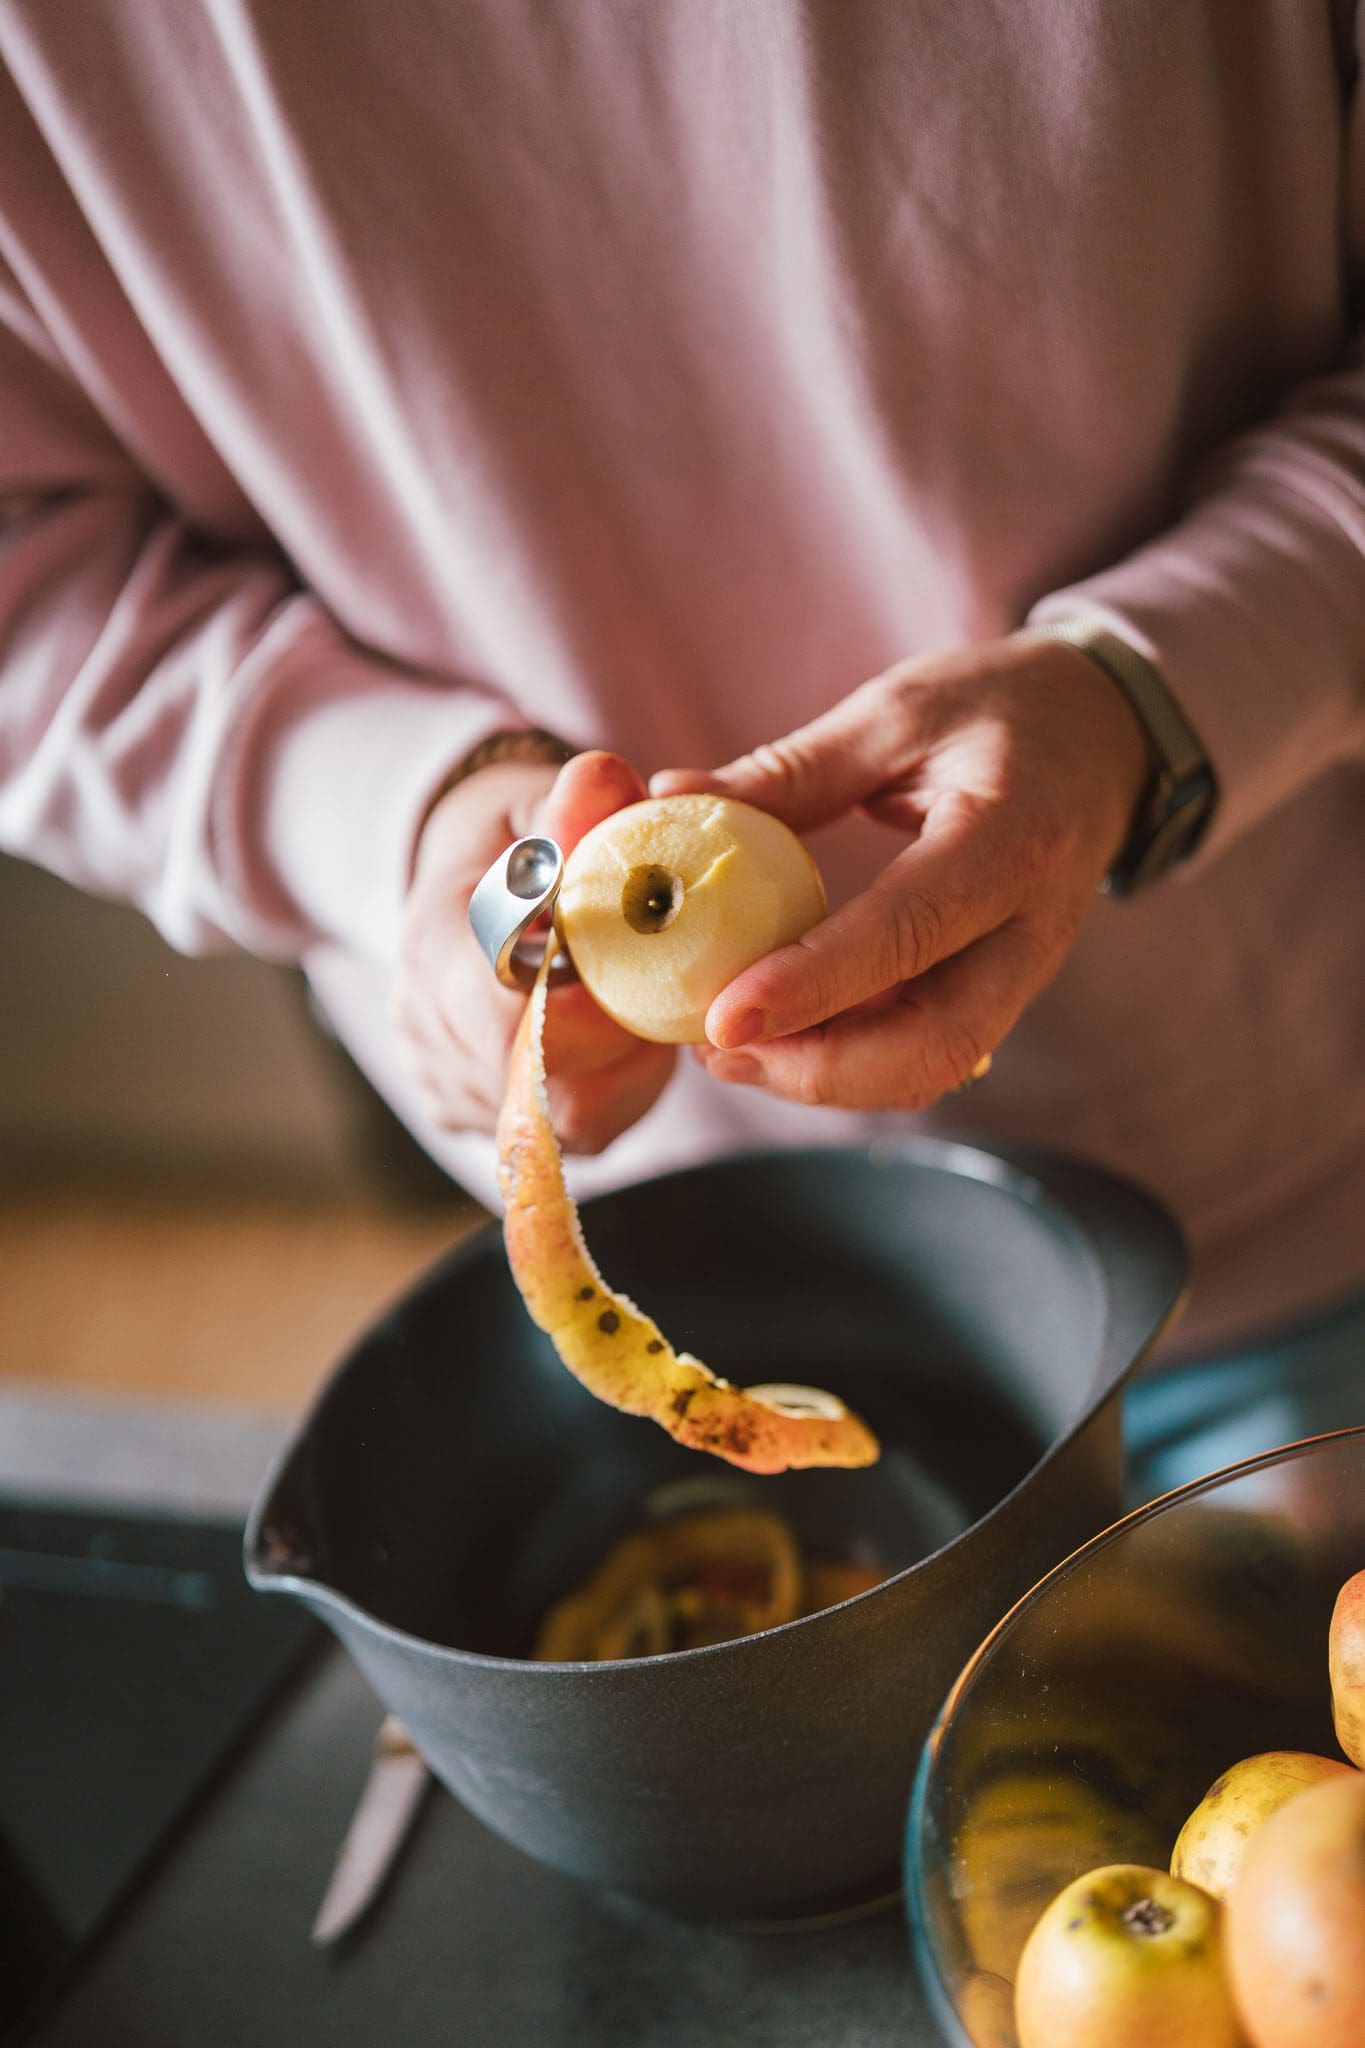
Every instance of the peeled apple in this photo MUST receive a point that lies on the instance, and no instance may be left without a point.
(666, 901)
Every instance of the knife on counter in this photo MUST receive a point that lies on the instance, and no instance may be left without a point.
(397, 1784)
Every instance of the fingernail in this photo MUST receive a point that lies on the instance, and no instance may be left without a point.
(747, 1026)
(737, 1066)
(681, 781)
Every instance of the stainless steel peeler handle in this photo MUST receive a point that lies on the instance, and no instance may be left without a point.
(521, 886)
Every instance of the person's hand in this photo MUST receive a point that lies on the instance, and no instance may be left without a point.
(1013, 770)
(454, 1020)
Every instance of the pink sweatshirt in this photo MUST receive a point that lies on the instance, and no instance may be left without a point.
(374, 376)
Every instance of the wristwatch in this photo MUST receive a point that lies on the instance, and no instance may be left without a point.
(513, 743)
(1178, 803)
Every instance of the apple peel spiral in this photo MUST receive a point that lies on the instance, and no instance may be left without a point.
(618, 1353)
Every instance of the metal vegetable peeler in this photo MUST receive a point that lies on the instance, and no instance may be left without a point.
(520, 887)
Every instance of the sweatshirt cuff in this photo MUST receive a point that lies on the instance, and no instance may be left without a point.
(1236, 609)
(324, 789)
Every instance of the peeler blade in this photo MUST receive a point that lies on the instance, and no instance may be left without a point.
(519, 887)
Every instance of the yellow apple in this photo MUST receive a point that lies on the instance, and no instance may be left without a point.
(1210, 1847)
(1126, 1957)
(666, 901)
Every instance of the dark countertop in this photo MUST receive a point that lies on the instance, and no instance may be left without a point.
(474, 1946)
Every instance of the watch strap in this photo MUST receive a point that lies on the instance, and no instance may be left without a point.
(511, 743)
(1179, 800)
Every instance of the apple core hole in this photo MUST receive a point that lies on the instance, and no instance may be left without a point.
(651, 899)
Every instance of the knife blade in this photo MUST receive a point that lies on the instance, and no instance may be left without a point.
(388, 1806)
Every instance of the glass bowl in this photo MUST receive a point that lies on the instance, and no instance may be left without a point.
(1095, 1716)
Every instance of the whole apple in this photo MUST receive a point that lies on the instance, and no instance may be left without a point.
(1346, 1668)
(1296, 1922)
(1214, 1840)
(1126, 1957)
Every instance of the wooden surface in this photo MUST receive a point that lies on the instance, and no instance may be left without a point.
(234, 1299)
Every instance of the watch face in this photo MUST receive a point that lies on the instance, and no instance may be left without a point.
(1168, 830)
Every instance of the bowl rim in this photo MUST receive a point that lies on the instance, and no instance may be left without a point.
(932, 1982)
(1018, 1169)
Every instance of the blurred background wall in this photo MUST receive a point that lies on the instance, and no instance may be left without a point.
(200, 1198)
(119, 1056)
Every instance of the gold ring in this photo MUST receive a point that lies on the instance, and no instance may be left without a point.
(978, 1073)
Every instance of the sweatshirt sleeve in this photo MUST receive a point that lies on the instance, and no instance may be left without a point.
(1252, 606)
(181, 724)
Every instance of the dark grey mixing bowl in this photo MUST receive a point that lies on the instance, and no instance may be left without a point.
(980, 1311)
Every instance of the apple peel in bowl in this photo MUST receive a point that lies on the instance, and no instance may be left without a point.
(711, 1577)
(610, 1345)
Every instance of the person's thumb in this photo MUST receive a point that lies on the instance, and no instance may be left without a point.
(811, 776)
(587, 789)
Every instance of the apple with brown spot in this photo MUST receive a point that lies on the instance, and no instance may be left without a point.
(1210, 1848)
(1126, 1957)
